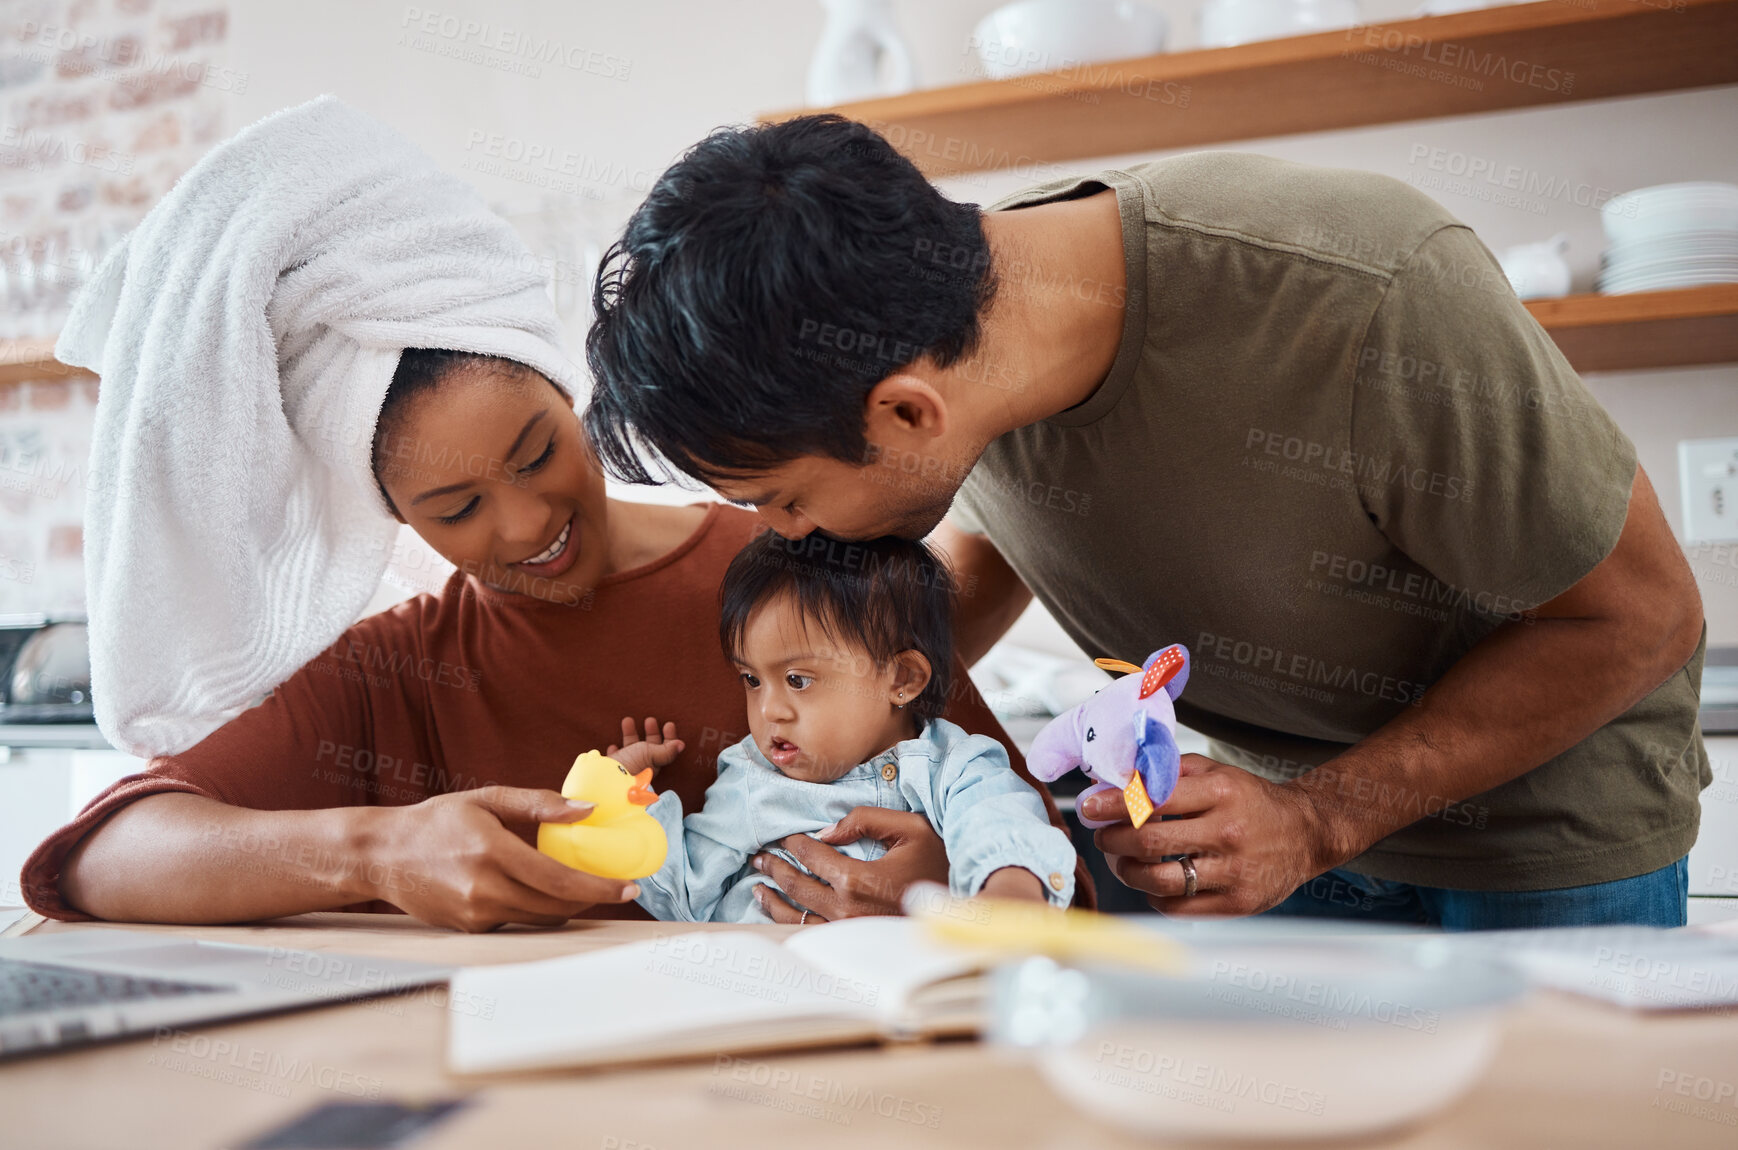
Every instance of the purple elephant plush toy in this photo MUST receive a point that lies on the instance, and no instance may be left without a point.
(1124, 737)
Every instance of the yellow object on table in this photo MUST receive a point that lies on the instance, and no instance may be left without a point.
(1015, 927)
(619, 839)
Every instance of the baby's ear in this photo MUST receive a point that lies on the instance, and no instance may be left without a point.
(911, 674)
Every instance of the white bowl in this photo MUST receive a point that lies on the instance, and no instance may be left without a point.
(1681, 244)
(1672, 264)
(1259, 1043)
(1219, 1082)
(1056, 35)
(1666, 282)
(1228, 22)
(1669, 210)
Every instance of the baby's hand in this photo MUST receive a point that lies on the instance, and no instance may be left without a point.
(1013, 882)
(657, 749)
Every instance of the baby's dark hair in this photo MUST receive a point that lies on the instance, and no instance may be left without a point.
(885, 596)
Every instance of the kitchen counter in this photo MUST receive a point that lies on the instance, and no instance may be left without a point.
(63, 736)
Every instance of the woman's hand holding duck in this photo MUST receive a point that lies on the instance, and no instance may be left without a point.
(455, 860)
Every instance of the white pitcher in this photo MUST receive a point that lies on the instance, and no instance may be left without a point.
(860, 56)
(1538, 270)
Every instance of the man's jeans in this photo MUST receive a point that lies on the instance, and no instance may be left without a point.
(1657, 899)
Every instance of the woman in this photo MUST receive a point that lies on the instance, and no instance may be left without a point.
(408, 763)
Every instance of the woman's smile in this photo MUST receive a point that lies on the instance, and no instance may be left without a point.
(553, 559)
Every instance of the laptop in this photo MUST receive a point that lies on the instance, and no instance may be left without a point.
(75, 987)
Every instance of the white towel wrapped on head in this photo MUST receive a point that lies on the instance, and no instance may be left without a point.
(245, 335)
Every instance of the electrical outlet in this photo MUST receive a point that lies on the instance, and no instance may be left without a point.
(1708, 480)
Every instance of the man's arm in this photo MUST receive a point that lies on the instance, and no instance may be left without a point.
(1532, 689)
(991, 595)
(1529, 691)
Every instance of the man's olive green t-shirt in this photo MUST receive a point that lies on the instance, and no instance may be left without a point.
(1335, 452)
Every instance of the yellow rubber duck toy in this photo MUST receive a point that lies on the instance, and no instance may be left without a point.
(619, 839)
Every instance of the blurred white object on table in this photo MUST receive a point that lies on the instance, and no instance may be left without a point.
(1284, 1041)
(1016, 680)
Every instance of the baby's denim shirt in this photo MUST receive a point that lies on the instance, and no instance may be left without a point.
(988, 818)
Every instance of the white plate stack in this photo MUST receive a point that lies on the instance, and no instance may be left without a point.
(1670, 236)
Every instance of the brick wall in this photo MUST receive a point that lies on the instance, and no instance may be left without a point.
(103, 104)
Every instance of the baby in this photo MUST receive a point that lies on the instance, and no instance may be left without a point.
(844, 652)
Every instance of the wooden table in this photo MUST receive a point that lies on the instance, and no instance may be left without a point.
(1568, 1074)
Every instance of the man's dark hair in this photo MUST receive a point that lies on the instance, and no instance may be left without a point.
(773, 276)
(884, 596)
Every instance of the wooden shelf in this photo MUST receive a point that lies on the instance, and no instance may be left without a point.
(1485, 60)
(27, 359)
(1644, 330)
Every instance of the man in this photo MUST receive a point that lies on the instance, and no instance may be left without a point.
(1445, 647)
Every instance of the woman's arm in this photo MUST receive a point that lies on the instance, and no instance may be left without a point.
(450, 860)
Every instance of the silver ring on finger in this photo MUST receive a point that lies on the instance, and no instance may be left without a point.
(803, 919)
(1190, 878)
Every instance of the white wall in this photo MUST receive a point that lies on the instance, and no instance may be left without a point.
(695, 65)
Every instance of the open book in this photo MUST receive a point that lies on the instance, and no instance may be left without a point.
(717, 992)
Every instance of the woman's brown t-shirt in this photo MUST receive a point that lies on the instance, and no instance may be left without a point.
(475, 686)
